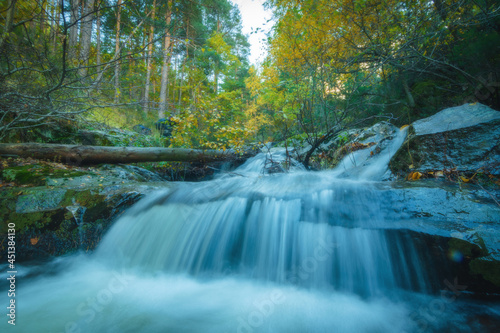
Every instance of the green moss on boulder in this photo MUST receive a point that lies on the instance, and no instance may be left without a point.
(489, 269)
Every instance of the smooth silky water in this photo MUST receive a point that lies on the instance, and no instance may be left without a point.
(250, 252)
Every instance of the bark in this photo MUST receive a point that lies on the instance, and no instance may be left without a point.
(117, 52)
(318, 143)
(86, 35)
(409, 95)
(98, 41)
(149, 61)
(73, 30)
(8, 21)
(55, 24)
(181, 79)
(166, 64)
(80, 155)
(43, 16)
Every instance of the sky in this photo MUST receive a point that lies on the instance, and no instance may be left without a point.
(254, 16)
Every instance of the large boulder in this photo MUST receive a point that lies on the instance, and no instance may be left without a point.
(458, 222)
(463, 139)
(57, 209)
(363, 146)
(460, 143)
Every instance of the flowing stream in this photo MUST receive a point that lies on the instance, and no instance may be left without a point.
(250, 252)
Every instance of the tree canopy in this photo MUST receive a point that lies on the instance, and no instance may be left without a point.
(330, 65)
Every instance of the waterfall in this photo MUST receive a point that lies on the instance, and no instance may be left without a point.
(331, 237)
(249, 252)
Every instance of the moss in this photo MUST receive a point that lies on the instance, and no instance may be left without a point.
(489, 269)
(22, 175)
(90, 199)
(407, 155)
(366, 136)
(84, 198)
(44, 209)
(37, 175)
(44, 225)
(40, 221)
(474, 250)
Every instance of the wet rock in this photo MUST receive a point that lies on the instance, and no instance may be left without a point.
(460, 222)
(465, 139)
(51, 222)
(65, 209)
(458, 141)
(165, 126)
(372, 140)
(367, 156)
(141, 129)
(115, 137)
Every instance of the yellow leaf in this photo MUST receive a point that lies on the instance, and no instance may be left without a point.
(403, 127)
(465, 180)
(414, 176)
(411, 166)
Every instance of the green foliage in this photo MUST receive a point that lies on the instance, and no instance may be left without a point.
(342, 61)
(45, 76)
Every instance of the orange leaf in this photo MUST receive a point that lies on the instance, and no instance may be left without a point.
(34, 241)
(414, 176)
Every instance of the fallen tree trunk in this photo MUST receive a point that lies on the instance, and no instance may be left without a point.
(79, 155)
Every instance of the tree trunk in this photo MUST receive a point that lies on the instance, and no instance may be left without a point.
(73, 30)
(149, 61)
(181, 78)
(86, 35)
(166, 64)
(409, 95)
(8, 21)
(117, 51)
(79, 155)
(43, 15)
(55, 24)
(98, 40)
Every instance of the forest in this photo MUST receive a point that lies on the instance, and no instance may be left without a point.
(155, 178)
(330, 66)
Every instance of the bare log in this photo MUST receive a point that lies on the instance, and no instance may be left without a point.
(80, 155)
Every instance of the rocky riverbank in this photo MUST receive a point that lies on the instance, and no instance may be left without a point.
(442, 188)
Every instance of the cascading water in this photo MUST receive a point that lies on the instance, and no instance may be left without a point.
(78, 212)
(297, 252)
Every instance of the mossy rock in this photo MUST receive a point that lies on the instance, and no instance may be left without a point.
(44, 222)
(37, 175)
(464, 139)
(467, 248)
(488, 268)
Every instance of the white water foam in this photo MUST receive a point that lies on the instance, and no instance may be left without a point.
(283, 253)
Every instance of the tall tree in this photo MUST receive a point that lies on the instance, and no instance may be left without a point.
(117, 51)
(9, 21)
(98, 39)
(73, 28)
(165, 62)
(149, 63)
(86, 35)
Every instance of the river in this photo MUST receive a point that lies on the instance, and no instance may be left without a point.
(292, 252)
